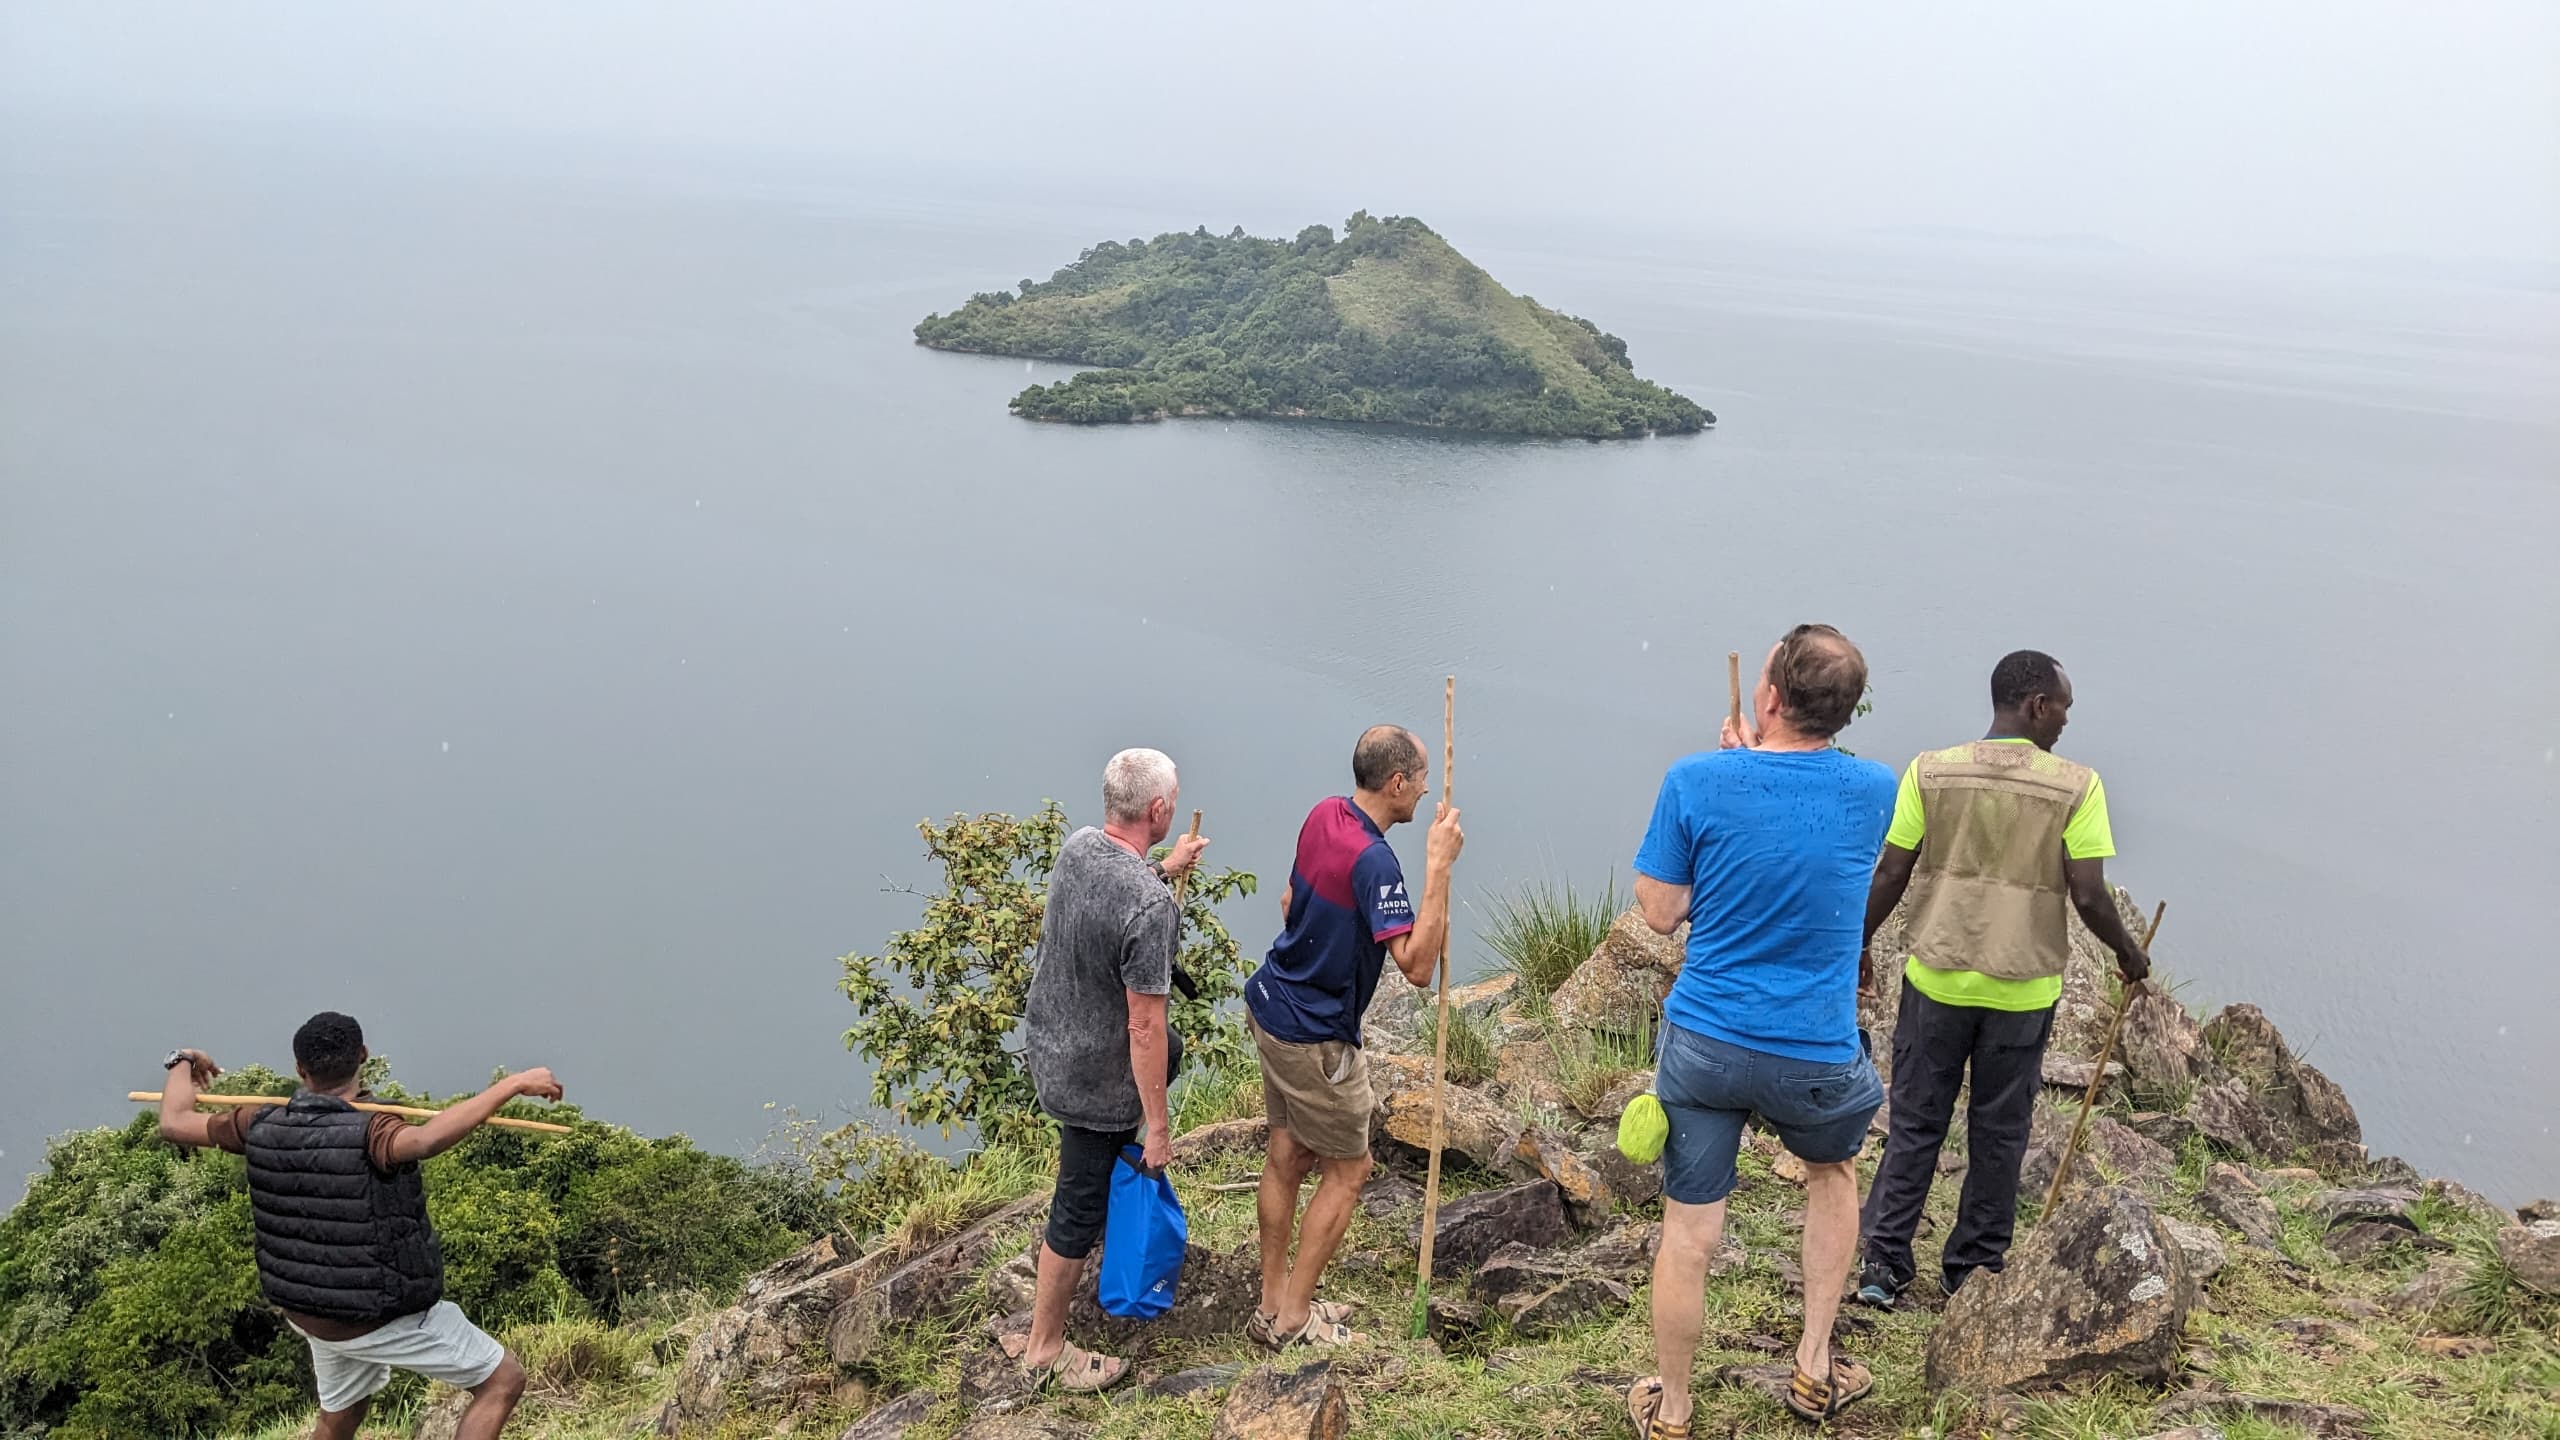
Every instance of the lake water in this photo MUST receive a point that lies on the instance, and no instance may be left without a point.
(529, 604)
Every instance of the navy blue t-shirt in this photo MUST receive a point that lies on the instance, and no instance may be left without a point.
(1777, 848)
(1346, 901)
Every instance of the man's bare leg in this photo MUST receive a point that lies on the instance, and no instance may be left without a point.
(1285, 1164)
(1830, 1234)
(1328, 1216)
(1050, 1292)
(1690, 1235)
(492, 1401)
(342, 1424)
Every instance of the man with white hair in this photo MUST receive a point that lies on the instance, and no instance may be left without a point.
(1095, 1032)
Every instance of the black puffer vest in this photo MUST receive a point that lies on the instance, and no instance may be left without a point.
(335, 1238)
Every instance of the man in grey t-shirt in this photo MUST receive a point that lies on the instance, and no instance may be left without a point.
(1095, 1031)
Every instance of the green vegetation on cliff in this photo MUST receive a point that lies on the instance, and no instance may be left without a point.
(1387, 324)
(129, 1301)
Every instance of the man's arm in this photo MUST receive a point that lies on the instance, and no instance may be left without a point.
(419, 1142)
(1884, 891)
(1663, 904)
(1417, 951)
(1147, 1066)
(180, 1122)
(2097, 906)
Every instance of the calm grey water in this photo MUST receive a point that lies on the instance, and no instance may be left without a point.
(529, 606)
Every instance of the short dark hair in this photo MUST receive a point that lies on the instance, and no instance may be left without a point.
(1384, 752)
(1820, 678)
(2022, 675)
(329, 1047)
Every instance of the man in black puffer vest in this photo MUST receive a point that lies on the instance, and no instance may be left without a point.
(344, 1248)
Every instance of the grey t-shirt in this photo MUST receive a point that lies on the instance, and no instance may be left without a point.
(1108, 929)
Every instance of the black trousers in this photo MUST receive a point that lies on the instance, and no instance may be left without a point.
(1933, 1046)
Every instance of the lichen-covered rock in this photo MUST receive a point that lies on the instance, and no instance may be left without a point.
(2306, 1106)
(2202, 1248)
(2360, 1240)
(1587, 1197)
(2230, 1196)
(1614, 1101)
(2099, 1287)
(1620, 989)
(2314, 1419)
(925, 1287)
(2227, 1113)
(2162, 1045)
(2535, 1210)
(1472, 1127)
(1485, 998)
(893, 1420)
(1269, 1403)
(2532, 1252)
(2386, 1203)
(1527, 1077)
(1629, 1183)
(2111, 1151)
(2422, 1296)
(1473, 1227)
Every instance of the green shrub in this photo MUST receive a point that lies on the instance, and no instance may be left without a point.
(938, 1006)
(1544, 931)
(129, 1300)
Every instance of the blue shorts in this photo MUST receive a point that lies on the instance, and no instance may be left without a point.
(1709, 1088)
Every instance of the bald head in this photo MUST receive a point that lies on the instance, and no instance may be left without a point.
(1384, 752)
(1819, 677)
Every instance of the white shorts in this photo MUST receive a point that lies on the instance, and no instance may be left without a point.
(439, 1344)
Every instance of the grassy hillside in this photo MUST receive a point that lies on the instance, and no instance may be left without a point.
(1387, 324)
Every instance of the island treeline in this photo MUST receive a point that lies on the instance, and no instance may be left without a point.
(1385, 324)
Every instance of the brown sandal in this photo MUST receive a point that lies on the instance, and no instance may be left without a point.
(1263, 1328)
(1075, 1371)
(1644, 1411)
(1819, 1400)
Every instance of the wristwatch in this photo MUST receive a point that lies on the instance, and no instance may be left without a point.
(176, 1059)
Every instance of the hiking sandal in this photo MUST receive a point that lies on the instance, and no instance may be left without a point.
(1819, 1400)
(1075, 1371)
(1321, 1332)
(1261, 1328)
(1644, 1411)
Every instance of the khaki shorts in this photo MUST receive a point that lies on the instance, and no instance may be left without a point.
(1318, 1093)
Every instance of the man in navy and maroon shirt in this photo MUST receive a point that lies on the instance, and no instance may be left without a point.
(1348, 911)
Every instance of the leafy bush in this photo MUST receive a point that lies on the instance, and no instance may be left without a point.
(129, 1300)
(939, 1007)
(1544, 931)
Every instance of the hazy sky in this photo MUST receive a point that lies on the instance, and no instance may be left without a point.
(2333, 126)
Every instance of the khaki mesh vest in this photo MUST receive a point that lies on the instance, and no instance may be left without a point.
(1988, 893)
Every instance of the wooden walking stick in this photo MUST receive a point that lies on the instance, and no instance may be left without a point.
(1440, 1049)
(1733, 688)
(2098, 1081)
(1182, 882)
(412, 1111)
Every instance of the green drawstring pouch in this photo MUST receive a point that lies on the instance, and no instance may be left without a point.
(1643, 1130)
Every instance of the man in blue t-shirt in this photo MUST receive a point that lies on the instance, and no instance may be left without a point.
(1765, 848)
(1347, 912)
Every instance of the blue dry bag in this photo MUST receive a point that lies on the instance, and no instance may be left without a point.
(1142, 1241)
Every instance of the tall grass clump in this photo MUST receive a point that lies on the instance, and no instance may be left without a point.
(1471, 1043)
(1544, 930)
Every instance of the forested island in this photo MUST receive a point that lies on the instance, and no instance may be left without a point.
(1386, 324)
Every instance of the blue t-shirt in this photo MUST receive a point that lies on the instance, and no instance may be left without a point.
(1777, 848)
(1346, 901)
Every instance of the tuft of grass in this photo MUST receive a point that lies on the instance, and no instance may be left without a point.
(2489, 1300)
(1471, 1044)
(1589, 1063)
(562, 1357)
(983, 1184)
(1214, 1096)
(1545, 930)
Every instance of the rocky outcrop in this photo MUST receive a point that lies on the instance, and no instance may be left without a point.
(1473, 1227)
(1587, 1196)
(893, 1420)
(1619, 990)
(2303, 1106)
(2232, 1198)
(2162, 1045)
(2532, 1255)
(1542, 1293)
(1269, 1403)
(926, 1287)
(2202, 1248)
(2111, 1150)
(2099, 1287)
(1472, 1127)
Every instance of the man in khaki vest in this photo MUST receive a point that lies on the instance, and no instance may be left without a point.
(1991, 839)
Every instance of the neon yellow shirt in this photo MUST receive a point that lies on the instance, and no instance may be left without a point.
(2085, 836)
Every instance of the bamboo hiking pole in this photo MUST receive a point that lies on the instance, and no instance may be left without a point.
(1182, 882)
(1733, 688)
(412, 1111)
(1440, 1048)
(2098, 1081)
